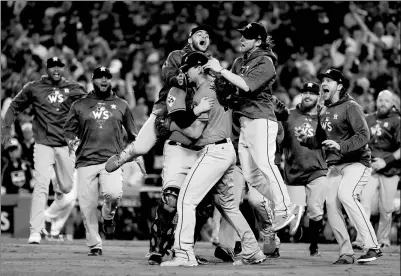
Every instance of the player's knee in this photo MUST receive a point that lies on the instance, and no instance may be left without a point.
(66, 189)
(169, 199)
(112, 195)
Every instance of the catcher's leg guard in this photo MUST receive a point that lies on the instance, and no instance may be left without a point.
(162, 231)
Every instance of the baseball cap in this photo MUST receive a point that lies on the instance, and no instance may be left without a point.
(202, 27)
(254, 30)
(193, 59)
(53, 62)
(13, 143)
(333, 74)
(312, 87)
(101, 72)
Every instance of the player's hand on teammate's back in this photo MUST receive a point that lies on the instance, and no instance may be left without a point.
(378, 163)
(204, 105)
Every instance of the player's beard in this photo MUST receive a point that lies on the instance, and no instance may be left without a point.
(102, 94)
(308, 106)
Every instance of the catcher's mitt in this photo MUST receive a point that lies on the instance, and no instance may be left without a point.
(280, 110)
(162, 125)
(224, 91)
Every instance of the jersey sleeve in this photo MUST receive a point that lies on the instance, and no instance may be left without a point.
(176, 100)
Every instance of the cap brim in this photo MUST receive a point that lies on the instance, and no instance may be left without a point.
(184, 67)
(322, 75)
(58, 64)
(311, 91)
(205, 28)
(99, 76)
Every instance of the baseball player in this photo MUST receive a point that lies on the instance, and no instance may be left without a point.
(344, 135)
(253, 74)
(214, 166)
(60, 209)
(227, 235)
(304, 169)
(199, 40)
(180, 154)
(51, 98)
(98, 120)
(384, 125)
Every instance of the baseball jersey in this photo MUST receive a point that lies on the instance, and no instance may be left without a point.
(343, 122)
(98, 123)
(385, 139)
(51, 104)
(301, 165)
(220, 121)
(259, 73)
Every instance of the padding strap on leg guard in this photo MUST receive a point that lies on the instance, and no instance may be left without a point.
(162, 231)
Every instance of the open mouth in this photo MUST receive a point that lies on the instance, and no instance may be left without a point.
(202, 43)
(103, 85)
(325, 90)
(56, 74)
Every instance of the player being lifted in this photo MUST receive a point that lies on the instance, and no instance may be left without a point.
(199, 40)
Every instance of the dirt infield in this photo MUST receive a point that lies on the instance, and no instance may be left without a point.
(128, 258)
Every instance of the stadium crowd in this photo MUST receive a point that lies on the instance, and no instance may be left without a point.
(133, 39)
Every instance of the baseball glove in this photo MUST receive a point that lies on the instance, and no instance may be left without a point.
(280, 110)
(162, 125)
(224, 91)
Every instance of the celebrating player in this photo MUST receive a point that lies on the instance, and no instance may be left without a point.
(180, 154)
(253, 74)
(214, 166)
(51, 98)
(304, 169)
(98, 120)
(344, 135)
(384, 125)
(199, 40)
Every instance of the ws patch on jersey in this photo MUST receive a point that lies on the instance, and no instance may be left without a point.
(171, 100)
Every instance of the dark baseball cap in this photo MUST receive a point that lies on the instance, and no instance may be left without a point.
(333, 74)
(202, 27)
(312, 87)
(193, 59)
(53, 62)
(101, 72)
(254, 30)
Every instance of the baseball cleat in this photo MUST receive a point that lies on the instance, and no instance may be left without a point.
(269, 244)
(114, 162)
(34, 238)
(201, 260)
(281, 221)
(237, 248)
(95, 252)
(314, 253)
(223, 254)
(155, 259)
(179, 262)
(371, 255)
(294, 224)
(345, 259)
(256, 259)
(274, 255)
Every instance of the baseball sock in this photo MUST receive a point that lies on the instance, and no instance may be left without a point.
(314, 233)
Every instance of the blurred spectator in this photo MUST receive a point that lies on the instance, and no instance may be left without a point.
(27, 142)
(16, 174)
